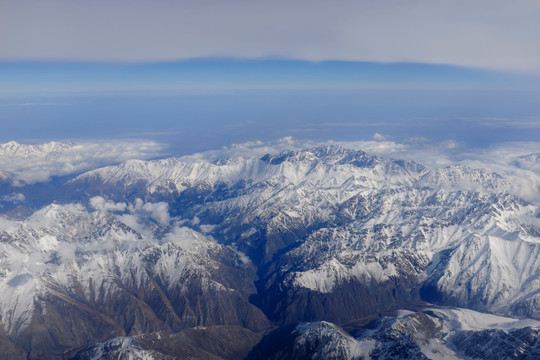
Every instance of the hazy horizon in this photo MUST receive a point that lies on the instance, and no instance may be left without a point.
(203, 75)
(205, 104)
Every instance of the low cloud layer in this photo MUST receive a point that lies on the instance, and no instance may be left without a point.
(27, 164)
(518, 162)
(485, 33)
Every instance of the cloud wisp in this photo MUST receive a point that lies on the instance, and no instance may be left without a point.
(134, 213)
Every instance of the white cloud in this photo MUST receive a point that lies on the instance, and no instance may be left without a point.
(379, 137)
(503, 159)
(417, 140)
(451, 144)
(250, 149)
(27, 164)
(207, 228)
(135, 215)
(156, 211)
(499, 158)
(13, 197)
(99, 203)
(484, 33)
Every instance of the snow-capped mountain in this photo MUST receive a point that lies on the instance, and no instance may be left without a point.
(214, 342)
(15, 149)
(22, 164)
(428, 333)
(110, 276)
(320, 236)
(529, 162)
(338, 217)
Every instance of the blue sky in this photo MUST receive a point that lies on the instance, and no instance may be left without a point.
(204, 75)
(26, 78)
(208, 103)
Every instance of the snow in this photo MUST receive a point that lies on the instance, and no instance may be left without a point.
(248, 232)
(333, 342)
(27, 164)
(373, 219)
(123, 347)
(434, 349)
(62, 247)
(333, 273)
(19, 291)
(464, 319)
(491, 234)
(8, 226)
(362, 349)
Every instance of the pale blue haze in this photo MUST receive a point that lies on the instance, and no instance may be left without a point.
(208, 103)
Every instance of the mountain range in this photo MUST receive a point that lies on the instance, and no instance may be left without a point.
(324, 252)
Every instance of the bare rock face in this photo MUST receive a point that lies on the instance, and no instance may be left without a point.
(90, 277)
(494, 343)
(327, 225)
(135, 260)
(206, 343)
(423, 334)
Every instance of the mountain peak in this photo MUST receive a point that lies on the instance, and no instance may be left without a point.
(13, 148)
(328, 154)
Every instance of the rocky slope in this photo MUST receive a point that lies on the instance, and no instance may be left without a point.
(320, 236)
(212, 343)
(429, 333)
(70, 277)
(327, 225)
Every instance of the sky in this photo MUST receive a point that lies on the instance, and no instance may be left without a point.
(206, 74)
(480, 33)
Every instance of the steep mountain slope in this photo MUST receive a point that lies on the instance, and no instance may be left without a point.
(72, 277)
(328, 225)
(430, 333)
(321, 236)
(212, 343)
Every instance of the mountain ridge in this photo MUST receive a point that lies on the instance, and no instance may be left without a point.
(161, 246)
